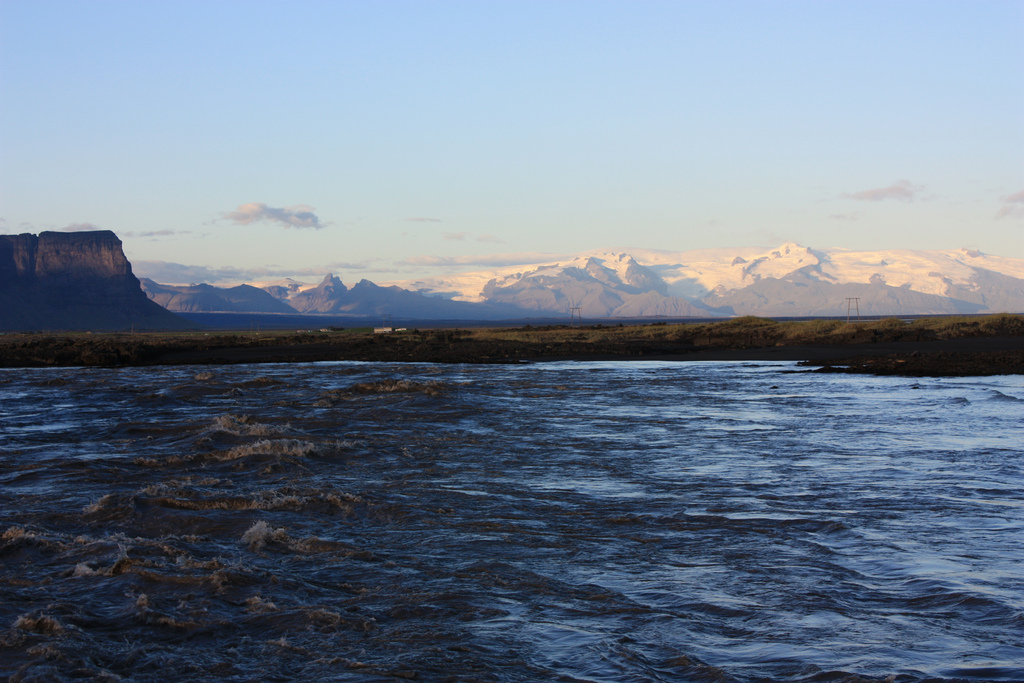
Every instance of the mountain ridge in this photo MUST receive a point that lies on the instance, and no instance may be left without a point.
(789, 280)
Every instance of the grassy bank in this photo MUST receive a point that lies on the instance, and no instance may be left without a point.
(750, 331)
(489, 345)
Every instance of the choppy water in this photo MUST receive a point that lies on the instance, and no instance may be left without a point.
(566, 521)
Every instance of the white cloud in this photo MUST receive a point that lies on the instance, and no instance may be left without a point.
(489, 260)
(462, 236)
(902, 190)
(299, 216)
(80, 227)
(166, 272)
(156, 233)
(1013, 206)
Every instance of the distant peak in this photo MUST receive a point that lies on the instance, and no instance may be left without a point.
(790, 247)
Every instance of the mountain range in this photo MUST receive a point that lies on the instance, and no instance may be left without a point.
(791, 280)
(331, 297)
(83, 281)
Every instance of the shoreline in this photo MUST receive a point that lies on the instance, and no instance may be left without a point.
(961, 356)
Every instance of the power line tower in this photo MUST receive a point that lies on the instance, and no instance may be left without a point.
(852, 302)
(574, 313)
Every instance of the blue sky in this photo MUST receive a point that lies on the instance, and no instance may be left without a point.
(372, 139)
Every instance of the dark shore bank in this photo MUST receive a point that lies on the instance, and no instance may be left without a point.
(936, 347)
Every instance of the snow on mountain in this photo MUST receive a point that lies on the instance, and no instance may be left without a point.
(614, 266)
(284, 288)
(812, 280)
(603, 285)
(696, 273)
(365, 298)
(790, 280)
(612, 270)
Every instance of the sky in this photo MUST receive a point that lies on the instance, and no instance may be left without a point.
(226, 141)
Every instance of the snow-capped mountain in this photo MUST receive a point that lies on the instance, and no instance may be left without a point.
(284, 288)
(597, 287)
(789, 280)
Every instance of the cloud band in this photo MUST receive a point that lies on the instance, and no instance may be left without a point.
(299, 216)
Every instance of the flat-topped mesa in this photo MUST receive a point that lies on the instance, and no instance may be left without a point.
(78, 280)
(83, 254)
(66, 256)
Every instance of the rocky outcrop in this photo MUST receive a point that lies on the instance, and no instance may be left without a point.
(73, 281)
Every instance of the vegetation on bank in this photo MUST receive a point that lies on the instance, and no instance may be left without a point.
(750, 331)
(484, 345)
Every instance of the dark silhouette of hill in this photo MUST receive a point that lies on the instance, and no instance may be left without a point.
(367, 299)
(207, 298)
(74, 281)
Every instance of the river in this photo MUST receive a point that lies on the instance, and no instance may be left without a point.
(570, 521)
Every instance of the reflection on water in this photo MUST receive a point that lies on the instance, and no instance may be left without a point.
(565, 521)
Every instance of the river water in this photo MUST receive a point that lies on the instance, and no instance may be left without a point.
(578, 521)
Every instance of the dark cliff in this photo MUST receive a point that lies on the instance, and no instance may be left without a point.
(73, 281)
